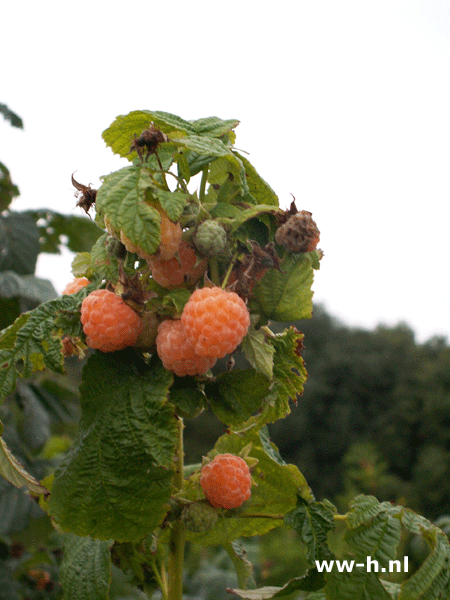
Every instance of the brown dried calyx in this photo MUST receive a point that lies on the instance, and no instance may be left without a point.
(85, 195)
(149, 140)
(251, 268)
(299, 233)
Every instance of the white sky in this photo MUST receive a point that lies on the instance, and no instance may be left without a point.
(344, 104)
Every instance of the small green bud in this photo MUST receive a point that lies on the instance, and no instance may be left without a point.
(211, 239)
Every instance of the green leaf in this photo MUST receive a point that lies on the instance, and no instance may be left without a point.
(243, 567)
(121, 132)
(117, 478)
(213, 126)
(286, 295)
(172, 202)
(313, 521)
(433, 576)
(259, 352)
(103, 263)
(258, 188)
(227, 173)
(11, 116)
(310, 582)
(121, 199)
(359, 583)
(203, 146)
(81, 265)
(32, 342)
(19, 240)
(85, 571)
(14, 472)
(274, 492)
(289, 377)
(30, 287)
(236, 395)
(56, 230)
(8, 190)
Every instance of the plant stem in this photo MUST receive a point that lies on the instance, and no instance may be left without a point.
(203, 184)
(177, 536)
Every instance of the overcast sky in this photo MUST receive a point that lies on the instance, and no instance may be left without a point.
(344, 104)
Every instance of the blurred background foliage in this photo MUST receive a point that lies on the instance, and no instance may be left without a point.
(374, 419)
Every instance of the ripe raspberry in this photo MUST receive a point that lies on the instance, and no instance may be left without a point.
(170, 238)
(299, 233)
(199, 517)
(175, 272)
(226, 481)
(177, 353)
(216, 321)
(109, 323)
(211, 238)
(75, 285)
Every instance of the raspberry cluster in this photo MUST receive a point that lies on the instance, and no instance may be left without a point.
(215, 321)
(226, 481)
(108, 322)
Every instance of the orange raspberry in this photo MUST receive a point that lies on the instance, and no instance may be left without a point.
(75, 285)
(176, 272)
(177, 352)
(109, 323)
(226, 481)
(170, 238)
(216, 321)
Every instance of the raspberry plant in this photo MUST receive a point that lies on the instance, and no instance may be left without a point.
(196, 251)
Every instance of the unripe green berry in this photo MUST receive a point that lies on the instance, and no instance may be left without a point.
(199, 517)
(211, 239)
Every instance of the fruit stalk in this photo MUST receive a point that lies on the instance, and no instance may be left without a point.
(177, 536)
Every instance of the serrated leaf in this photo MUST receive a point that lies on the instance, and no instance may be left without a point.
(274, 495)
(117, 479)
(227, 173)
(172, 202)
(378, 539)
(313, 521)
(310, 582)
(258, 188)
(85, 572)
(286, 295)
(235, 396)
(122, 130)
(213, 126)
(359, 583)
(19, 241)
(14, 472)
(289, 377)
(30, 287)
(121, 199)
(433, 576)
(258, 352)
(32, 343)
(203, 146)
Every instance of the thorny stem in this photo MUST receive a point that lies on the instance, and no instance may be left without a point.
(177, 536)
